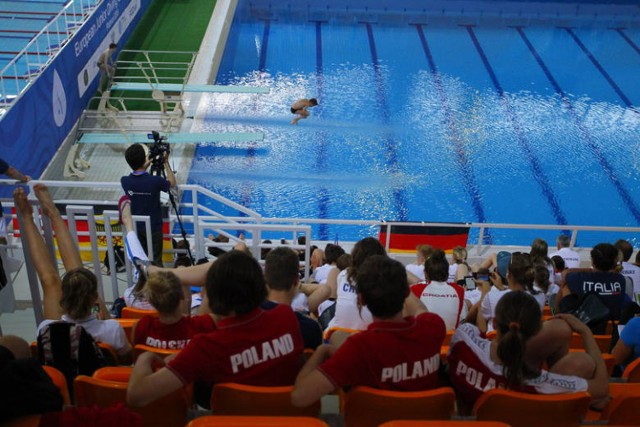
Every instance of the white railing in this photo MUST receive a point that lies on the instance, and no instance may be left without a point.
(205, 214)
(31, 61)
(206, 217)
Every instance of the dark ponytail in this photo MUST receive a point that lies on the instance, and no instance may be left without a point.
(518, 318)
(436, 267)
(522, 271)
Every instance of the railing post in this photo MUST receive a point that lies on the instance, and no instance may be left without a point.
(108, 216)
(480, 240)
(34, 283)
(198, 234)
(87, 211)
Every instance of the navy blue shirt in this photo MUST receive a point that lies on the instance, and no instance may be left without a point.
(609, 286)
(4, 166)
(311, 332)
(144, 191)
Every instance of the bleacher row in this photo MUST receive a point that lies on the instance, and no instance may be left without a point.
(22, 20)
(242, 405)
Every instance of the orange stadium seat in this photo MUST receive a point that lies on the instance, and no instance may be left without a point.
(26, 421)
(251, 421)
(141, 348)
(136, 313)
(248, 400)
(368, 407)
(168, 411)
(532, 410)
(619, 406)
(440, 423)
(603, 341)
(60, 381)
(632, 372)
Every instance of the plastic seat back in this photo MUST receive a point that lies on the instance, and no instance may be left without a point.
(623, 411)
(137, 313)
(114, 373)
(632, 372)
(250, 421)
(26, 421)
(239, 399)
(168, 411)
(60, 381)
(141, 348)
(603, 341)
(440, 423)
(618, 392)
(366, 406)
(532, 410)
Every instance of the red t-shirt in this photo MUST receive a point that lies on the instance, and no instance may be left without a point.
(402, 356)
(263, 347)
(150, 331)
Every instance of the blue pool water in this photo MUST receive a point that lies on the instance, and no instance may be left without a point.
(484, 114)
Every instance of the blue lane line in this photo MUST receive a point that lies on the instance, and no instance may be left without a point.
(525, 146)
(628, 40)
(265, 45)
(604, 163)
(463, 160)
(321, 147)
(597, 64)
(247, 190)
(389, 142)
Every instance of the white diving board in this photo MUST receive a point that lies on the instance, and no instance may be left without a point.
(171, 87)
(172, 138)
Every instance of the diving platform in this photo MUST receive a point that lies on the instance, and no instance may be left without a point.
(176, 87)
(171, 138)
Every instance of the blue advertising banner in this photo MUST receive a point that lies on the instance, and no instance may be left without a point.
(35, 127)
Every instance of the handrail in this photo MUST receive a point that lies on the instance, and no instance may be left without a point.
(204, 217)
(51, 32)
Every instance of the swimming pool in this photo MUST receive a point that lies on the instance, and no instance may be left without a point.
(461, 112)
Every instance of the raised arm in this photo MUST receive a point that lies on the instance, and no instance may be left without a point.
(44, 265)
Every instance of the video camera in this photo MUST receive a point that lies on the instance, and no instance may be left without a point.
(157, 152)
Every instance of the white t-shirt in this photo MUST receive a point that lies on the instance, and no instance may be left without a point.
(488, 305)
(571, 258)
(106, 331)
(347, 313)
(300, 303)
(416, 270)
(321, 273)
(453, 269)
(632, 271)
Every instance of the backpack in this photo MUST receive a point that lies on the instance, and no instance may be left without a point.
(589, 309)
(70, 349)
(118, 254)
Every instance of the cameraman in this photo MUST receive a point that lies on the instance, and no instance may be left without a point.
(144, 191)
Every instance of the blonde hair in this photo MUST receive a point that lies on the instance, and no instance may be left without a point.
(425, 251)
(459, 254)
(164, 291)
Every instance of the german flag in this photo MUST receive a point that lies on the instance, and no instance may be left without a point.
(405, 238)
